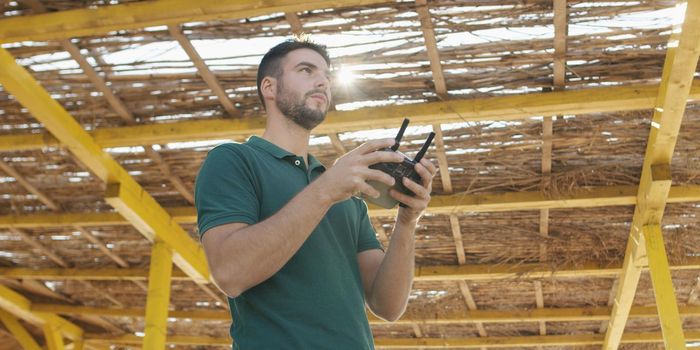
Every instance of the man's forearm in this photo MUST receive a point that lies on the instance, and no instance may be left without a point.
(253, 254)
(393, 281)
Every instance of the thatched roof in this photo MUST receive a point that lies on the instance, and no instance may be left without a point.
(492, 265)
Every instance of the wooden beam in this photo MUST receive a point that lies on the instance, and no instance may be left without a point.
(462, 260)
(101, 246)
(53, 336)
(104, 19)
(430, 343)
(337, 144)
(693, 295)
(504, 108)
(7, 169)
(294, 22)
(165, 169)
(97, 81)
(442, 159)
(679, 69)
(23, 337)
(471, 316)
(151, 216)
(423, 273)
(426, 25)
(159, 278)
(204, 70)
(445, 205)
(20, 307)
(666, 304)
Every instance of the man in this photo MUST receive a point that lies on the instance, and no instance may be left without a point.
(286, 239)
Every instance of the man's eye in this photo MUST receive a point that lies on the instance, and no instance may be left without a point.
(306, 69)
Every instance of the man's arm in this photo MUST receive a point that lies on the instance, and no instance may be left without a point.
(387, 278)
(240, 256)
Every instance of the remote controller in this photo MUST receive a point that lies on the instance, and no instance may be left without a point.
(398, 171)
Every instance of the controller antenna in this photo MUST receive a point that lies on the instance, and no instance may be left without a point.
(424, 149)
(400, 135)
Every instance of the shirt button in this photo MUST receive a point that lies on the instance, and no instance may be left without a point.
(297, 162)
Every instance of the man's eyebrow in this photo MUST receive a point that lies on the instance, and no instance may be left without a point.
(311, 65)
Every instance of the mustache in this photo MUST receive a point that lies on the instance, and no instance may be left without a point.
(317, 91)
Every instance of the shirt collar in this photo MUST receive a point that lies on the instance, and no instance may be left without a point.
(280, 153)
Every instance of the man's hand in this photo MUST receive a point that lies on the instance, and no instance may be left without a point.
(415, 205)
(350, 173)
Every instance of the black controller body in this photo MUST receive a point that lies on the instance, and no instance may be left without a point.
(398, 171)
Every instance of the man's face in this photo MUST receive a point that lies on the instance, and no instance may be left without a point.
(303, 90)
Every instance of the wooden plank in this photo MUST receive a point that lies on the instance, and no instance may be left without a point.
(473, 316)
(7, 169)
(445, 205)
(23, 337)
(666, 304)
(679, 69)
(158, 299)
(104, 19)
(430, 343)
(204, 71)
(442, 159)
(17, 81)
(502, 108)
(426, 25)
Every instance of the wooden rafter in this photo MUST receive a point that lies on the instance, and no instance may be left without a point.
(594, 197)
(126, 194)
(502, 108)
(430, 343)
(103, 19)
(441, 155)
(23, 337)
(294, 22)
(426, 24)
(7, 169)
(423, 273)
(204, 71)
(461, 260)
(20, 307)
(472, 316)
(679, 69)
(560, 34)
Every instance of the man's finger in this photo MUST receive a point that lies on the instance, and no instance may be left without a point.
(411, 202)
(382, 157)
(371, 146)
(420, 191)
(429, 165)
(379, 176)
(425, 175)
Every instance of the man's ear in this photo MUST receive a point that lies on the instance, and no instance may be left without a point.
(268, 87)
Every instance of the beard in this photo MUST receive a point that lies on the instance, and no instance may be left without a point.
(295, 109)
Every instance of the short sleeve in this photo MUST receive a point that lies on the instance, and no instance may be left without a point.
(225, 189)
(368, 238)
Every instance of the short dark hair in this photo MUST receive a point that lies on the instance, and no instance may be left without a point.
(271, 63)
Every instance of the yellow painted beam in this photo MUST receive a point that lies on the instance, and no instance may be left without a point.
(156, 328)
(429, 343)
(473, 316)
(487, 202)
(23, 337)
(666, 303)
(423, 273)
(608, 99)
(679, 69)
(54, 339)
(148, 216)
(20, 307)
(104, 19)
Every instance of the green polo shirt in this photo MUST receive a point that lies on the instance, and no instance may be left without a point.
(316, 301)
